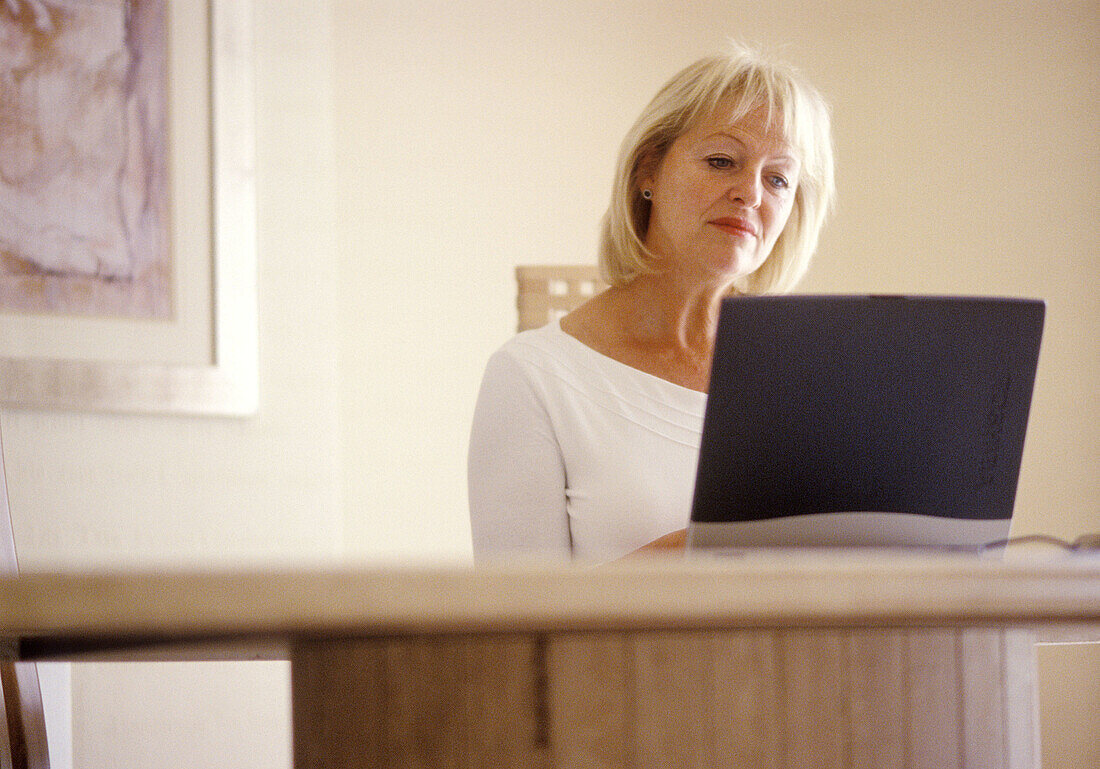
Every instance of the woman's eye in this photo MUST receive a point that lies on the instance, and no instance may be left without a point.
(780, 182)
(718, 161)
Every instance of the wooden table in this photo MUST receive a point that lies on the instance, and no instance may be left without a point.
(772, 659)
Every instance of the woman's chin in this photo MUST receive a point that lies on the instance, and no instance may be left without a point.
(734, 268)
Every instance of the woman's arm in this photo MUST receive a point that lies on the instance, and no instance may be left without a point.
(516, 476)
(672, 543)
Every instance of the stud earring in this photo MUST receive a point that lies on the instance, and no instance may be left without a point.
(647, 194)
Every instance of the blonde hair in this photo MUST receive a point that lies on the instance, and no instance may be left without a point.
(746, 79)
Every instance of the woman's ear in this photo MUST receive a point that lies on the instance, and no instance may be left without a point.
(646, 174)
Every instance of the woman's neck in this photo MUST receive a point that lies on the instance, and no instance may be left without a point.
(677, 314)
(656, 324)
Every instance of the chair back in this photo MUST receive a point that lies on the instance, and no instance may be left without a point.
(23, 741)
(549, 291)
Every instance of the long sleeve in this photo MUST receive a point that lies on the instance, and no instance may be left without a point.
(515, 467)
(576, 455)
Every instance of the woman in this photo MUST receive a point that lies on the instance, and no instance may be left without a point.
(586, 432)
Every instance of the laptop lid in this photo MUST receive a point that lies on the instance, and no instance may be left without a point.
(865, 420)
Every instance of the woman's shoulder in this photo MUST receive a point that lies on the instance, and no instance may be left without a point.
(539, 360)
(546, 347)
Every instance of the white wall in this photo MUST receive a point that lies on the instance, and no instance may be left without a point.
(95, 490)
(411, 152)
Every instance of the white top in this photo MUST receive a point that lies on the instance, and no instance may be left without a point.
(573, 452)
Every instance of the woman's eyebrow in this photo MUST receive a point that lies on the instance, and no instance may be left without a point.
(784, 155)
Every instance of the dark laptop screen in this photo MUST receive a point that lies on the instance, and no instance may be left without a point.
(885, 404)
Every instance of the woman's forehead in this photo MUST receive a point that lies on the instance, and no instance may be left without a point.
(758, 122)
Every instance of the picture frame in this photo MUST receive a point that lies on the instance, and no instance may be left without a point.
(228, 384)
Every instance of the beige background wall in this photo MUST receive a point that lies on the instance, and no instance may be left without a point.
(411, 153)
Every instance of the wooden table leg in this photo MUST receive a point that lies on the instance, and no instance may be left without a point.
(24, 743)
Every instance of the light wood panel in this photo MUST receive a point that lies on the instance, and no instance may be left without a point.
(422, 702)
(508, 724)
(325, 678)
(590, 704)
(879, 698)
(674, 704)
(689, 699)
(749, 690)
(932, 701)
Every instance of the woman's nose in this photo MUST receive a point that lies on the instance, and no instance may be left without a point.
(747, 189)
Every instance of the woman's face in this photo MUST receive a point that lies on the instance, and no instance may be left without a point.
(721, 196)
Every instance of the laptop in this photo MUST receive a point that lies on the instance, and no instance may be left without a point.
(880, 421)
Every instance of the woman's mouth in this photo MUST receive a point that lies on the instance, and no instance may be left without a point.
(735, 225)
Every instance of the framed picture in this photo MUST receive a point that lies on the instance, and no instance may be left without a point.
(82, 328)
